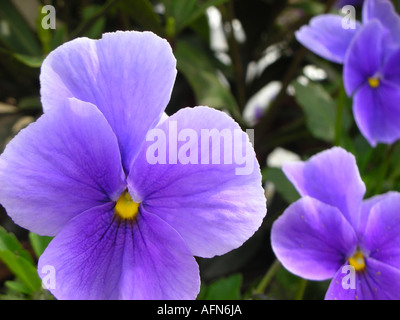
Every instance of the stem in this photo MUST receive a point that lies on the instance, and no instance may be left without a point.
(339, 115)
(384, 169)
(301, 290)
(237, 63)
(265, 281)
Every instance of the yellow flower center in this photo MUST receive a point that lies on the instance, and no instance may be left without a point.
(374, 82)
(357, 261)
(125, 207)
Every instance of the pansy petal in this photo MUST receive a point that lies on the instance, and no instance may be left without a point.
(326, 37)
(377, 114)
(382, 234)
(214, 206)
(364, 57)
(312, 239)
(378, 282)
(391, 69)
(98, 257)
(339, 288)
(128, 75)
(65, 163)
(332, 177)
(385, 12)
(366, 209)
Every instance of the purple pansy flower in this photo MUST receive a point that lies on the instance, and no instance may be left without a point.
(332, 231)
(124, 228)
(370, 53)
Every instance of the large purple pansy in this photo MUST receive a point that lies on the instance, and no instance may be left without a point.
(124, 228)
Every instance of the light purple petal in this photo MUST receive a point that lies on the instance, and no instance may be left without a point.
(98, 257)
(366, 209)
(65, 163)
(312, 239)
(378, 281)
(364, 58)
(384, 11)
(326, 37)
(214, 207)
(382, 234)
(332, 177)
(128, 75)
(377, 114)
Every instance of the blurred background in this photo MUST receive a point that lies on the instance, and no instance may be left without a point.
(239, 56)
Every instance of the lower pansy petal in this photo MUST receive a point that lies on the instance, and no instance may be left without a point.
(96, 256)
(210, 193)
(378, 281)
(332, 177)
(312, 239)
(377, 114)
(344, 285)
(63, 164)
(382, 233)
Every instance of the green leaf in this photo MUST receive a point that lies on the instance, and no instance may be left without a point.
(201, 74)
(143, 13)
(319, 109)
(224, 289)
(18, 260)
(186, 12)
(310, 7)
(15, 32)
(96, 29)
(39, 243)
(33, 62)
(9, 242)
(282, 185)
(18, 287)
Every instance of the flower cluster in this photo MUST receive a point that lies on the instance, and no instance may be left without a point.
(369, 53)
(331, 227)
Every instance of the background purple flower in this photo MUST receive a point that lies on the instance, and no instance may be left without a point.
(124, 229)
(331, 227)
(370, 53)
(342, 3)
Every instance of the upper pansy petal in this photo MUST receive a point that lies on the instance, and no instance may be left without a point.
(385, 12)
(391, 69)
(312, 239)
(366, 209)
(382, 234)
(326, 37)
(364, 58)
(65, 163)
(377, 114)
(332, 177)
(128, 75)
(97, 257)
(214, 207)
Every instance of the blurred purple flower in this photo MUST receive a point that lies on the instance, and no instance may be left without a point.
(124, 229)
(370, 54)
(331, 228)
(342, 3)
